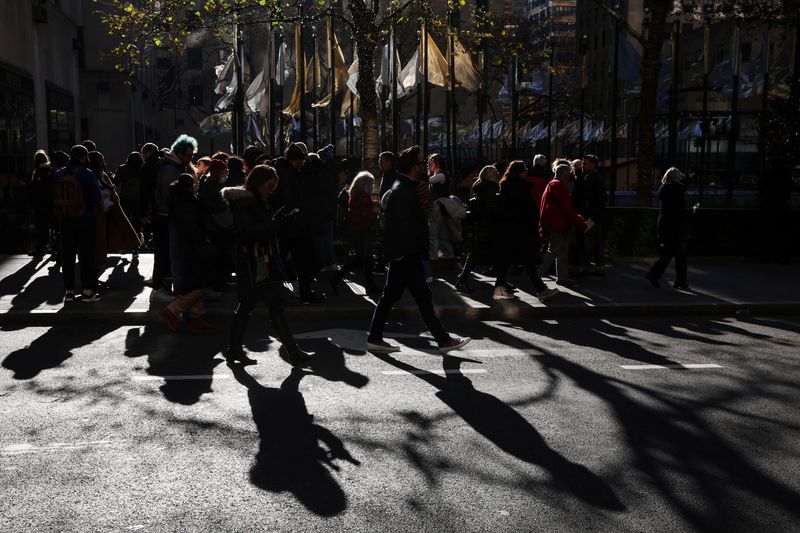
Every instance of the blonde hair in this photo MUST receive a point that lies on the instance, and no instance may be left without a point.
(672, 175)
(489, 170)
(360, 182)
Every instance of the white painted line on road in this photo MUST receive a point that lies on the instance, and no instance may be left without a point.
(675, 366)
(187, 377)
(23, 448)
(441, 372)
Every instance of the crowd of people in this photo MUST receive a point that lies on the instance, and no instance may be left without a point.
(262, 223)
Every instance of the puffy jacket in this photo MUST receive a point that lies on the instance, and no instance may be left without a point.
(557, 212)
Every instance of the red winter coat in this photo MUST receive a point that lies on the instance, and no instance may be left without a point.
(557, 212)
(361, 213)
(538, 185)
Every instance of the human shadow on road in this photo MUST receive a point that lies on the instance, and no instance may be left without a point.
(52, 348)
(290, 457)
(511, 432)
(186, 362)
(329, 363)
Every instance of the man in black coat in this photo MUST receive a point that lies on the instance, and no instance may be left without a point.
(386, 163)
(405, 243)
(593, 199)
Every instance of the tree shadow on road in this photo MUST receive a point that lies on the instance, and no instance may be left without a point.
(511, 432)
(700, 472)
(290, 457)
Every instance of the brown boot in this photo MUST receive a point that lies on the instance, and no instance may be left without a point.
(199, 324)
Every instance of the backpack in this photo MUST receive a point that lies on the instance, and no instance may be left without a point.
(68, 200)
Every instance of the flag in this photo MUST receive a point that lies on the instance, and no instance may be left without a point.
(216, 124)
(281, 66)
(337, 66)
(352, 76)
(503, 96)
(221, 72)
(630, 63)
(308, 84)
(467, 76)
(409, 75)
(438, 69)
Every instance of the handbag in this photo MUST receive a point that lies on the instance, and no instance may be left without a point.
(264, 266)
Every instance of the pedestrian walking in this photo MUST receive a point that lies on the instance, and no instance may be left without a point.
(672, 228)
(593, 198)
(517, 236)
(128, 181)
(76, 200)
(218, 222)
(190, 256)
(260, 272)
(406, 245)
(176, 161)
(41, 193)
(386, 163)
(557, 218)
(482, 218)
(362, 213)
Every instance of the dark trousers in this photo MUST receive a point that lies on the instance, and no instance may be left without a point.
(42, 228)
(665, 254)
(78, 241)
(223, 260)
(248, 301)
(362, 256)
(132, 211)
(469, 265)
(161, 269)
(407, 273)
(530, 269)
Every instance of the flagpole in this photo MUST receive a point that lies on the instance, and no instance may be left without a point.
(614, 104)
(418, 129)
(733, 132)
(395, 110)
(704, 129)
(548, 144)
(454, 23)
(332, 75)
(351, 134)
(479, 102)
(673, 93)
(239, 105)
(762, 130)
(279, 103)
(514, 105)
(300, 64)
(425, 91)
(314, 82)
(271, 91)
(584, 75)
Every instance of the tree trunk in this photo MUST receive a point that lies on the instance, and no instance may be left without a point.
(366, 36)
(651, 65)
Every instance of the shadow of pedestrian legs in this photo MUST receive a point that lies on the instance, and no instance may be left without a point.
(509, 431)
(290, 457)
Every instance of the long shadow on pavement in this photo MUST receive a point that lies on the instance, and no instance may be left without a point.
(290, 457)
(51, 349)
(185, 361)
(713, 485)
(511, 432)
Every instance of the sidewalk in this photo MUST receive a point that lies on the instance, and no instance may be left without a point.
(31, 292)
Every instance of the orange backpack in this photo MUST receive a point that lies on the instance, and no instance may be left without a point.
(68, 201)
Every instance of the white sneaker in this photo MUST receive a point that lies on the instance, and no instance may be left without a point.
(544, 294)
(454, 344)
(500, 293)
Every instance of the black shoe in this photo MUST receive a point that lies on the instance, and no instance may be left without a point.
(69, 298)
(464, 287)
(294, 355)
(680, 286)
(312, 298)
(653, 281)
(237, 355)
(510, 287)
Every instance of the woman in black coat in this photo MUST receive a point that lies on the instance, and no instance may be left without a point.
(190, 252)
(483, 211)
(673, 229)
(260, 272)
(517, 238)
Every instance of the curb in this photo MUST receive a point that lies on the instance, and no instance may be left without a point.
(499, 311)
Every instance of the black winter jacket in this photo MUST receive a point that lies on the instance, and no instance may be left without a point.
(405, 226)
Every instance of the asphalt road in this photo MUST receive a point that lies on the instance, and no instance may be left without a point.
(567, 425)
